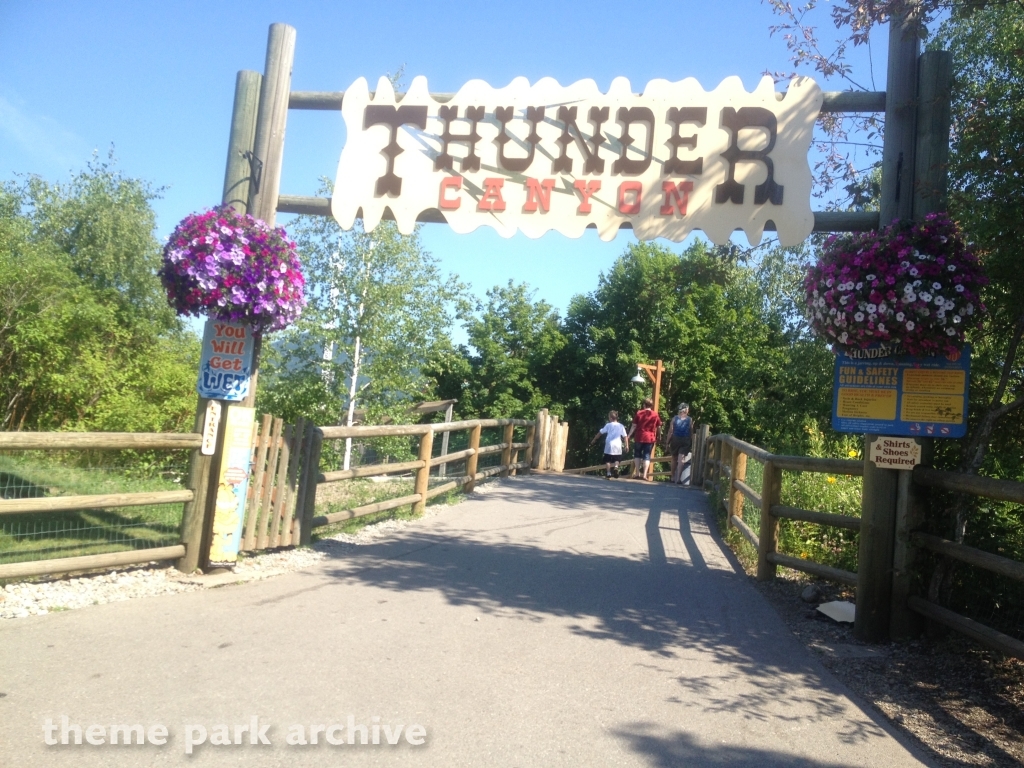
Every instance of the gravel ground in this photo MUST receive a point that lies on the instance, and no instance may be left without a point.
(962, 704)
(65, 593)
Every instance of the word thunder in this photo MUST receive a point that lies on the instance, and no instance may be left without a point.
(252, 733)
(546, 156)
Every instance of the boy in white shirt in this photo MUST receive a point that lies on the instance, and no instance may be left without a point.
(615, 441)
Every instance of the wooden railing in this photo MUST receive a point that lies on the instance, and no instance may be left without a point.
(727, 458)
(724, 462)
(1002, 490)
(508, 448)
(94, 441)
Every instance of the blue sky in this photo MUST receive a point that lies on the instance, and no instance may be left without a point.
(156, 81)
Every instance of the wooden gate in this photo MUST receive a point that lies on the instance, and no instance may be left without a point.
(282, 483)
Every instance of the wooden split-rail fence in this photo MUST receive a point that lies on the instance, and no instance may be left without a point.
(280, 507)
(887, 601)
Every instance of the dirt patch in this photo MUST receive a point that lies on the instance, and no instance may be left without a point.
(961, 703)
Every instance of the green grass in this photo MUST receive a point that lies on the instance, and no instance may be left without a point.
(349, 494)
(836, 494)
(45, 535)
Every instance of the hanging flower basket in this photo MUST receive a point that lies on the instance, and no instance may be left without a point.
(914, 287)
(230, 266)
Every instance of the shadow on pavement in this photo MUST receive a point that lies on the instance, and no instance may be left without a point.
(673, 608)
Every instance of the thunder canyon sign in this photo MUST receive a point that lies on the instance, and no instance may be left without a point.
(536, 158)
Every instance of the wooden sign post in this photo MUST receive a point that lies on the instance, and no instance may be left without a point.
(251, 185)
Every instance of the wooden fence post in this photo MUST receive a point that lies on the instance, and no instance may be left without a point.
(471, 462)
(506, 452)
(312, 478)
(531, 436)
(716, 469)
(423, 473)
(725, 472)
(551, 450)
(710, 463)
(736, 497)
(539, 439)
(561, 442)
(768, 540)
(874, 556)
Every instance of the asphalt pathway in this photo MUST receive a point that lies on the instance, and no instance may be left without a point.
(548, 621)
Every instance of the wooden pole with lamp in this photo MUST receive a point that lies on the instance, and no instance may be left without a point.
(654, 372)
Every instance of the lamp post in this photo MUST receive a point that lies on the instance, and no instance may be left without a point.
(654, 372)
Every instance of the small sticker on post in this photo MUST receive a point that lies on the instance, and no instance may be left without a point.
(210, 426)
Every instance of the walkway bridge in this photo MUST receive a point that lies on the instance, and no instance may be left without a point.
(547, 620)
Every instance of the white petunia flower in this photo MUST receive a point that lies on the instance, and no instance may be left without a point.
(959, 289)
(871, 277)
(910, 325)
(925, 296)
(936, 286)
(859, 317)
(872, 308)
(900, 316)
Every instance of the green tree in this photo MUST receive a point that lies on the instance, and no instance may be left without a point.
(508, 372)
(379, 310)
(86, 338)
(703, 312)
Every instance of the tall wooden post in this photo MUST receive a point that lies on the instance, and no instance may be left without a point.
(931, 155)
(238, 176)
(195, 518)
(878, 506)
(897, 192)
(874, 556)
(935, 76)
(256, 169)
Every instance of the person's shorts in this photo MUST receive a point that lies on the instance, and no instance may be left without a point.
(612, 458)
(643, 451)
(680, 446)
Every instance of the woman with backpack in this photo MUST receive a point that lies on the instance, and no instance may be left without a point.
(680, 442)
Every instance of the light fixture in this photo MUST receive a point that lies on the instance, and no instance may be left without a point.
(639, 378)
